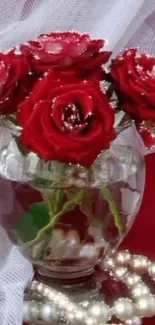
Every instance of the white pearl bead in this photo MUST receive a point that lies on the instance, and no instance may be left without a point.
(146, 306)
(57, 299)
(83, 175)
(47, 313)
(151, 270)
(123, 309)
(61, 302)
(140, 290)
(84, 304)
(90, 321)
(100, 311)
(139, 263)
(31, 311)
(123, 257)
(79, 183)
(89, 251)
(26, 312)
(46, 292)
(69, 307)
(119, 272)
(131, 279)
(34, 311)
(40, 287)
(71, 317)
(33, 286)
(134, 321)
(108, 264)
(51, 295)
(80, 315)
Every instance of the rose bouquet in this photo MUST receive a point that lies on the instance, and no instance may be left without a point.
(76, 189)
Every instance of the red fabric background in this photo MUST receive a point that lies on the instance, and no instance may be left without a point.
(141, 239)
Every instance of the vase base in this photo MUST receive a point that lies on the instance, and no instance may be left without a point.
(64, 274)
(78, 287)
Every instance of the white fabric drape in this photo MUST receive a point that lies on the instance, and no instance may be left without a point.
(122, 23)
(115, 20)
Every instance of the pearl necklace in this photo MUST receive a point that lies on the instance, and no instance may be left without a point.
(123, 267)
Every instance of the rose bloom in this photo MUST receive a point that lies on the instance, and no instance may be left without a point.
(68, 49)
(66, 120)
(134, 75)
(15, 81)
(147, 132)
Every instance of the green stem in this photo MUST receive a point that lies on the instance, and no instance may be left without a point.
(68, 206)
(41, 233)
(119, 222)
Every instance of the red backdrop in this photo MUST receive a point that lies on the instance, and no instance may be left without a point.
(141, 239)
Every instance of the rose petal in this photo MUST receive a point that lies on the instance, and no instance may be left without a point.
(135, 82)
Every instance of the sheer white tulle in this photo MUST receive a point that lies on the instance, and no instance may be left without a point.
(122, 23)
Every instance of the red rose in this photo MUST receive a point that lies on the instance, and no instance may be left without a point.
(147, 132)
(70, 122)
(134, 75)
(64, 49)
(15, 82)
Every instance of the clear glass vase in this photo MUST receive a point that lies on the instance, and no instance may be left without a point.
(65, 218)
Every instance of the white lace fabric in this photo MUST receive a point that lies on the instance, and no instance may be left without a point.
(15, 273)
(122, 23)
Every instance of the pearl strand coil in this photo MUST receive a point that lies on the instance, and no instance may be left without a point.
(123, 267)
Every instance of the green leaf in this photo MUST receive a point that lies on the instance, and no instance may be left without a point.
(40, 214)
(98, 223)
(119, 222)
(25, 227)
(30, 223)
(76, 199)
